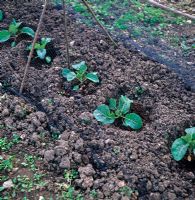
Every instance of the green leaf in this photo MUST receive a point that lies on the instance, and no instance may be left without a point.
(76, 87)
(41, 53)
(4, 35)
(1, 15)
(80, 76)
(44, 42)
(16, 24)
(71, 76)
(133, 120)
(187, 138)
(28, 31)
(37, 46)
(48, 59)
(179, 149)
(93, 77)
(118, 113)
(103, 114)
(112, 104)
(1, 188)
(13, 44)
(124, 104)
(80, 66)
(82, 69)
(65, 72)
(190, 131)
(14, 27)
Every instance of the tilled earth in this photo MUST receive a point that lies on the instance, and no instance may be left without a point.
(106, 157)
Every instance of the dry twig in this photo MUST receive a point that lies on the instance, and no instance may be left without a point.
(98, 22)
(66, 33)
(33, 45)
(171, 9)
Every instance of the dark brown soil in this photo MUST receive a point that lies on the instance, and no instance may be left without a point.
(142, 160)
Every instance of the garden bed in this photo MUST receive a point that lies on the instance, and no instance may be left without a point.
(68, 146)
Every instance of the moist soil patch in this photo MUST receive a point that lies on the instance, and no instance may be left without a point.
(108, 158)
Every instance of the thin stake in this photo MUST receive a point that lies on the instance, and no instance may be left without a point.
(154, 3)
(33, 45)
(66, 33)
(98, 22)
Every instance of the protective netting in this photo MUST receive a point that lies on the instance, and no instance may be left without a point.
(160, 35)
(163, 36)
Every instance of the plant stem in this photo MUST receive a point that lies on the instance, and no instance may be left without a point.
(98, 22)
(33, 45)
(66, 33)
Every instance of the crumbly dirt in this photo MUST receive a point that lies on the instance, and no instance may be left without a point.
(106, 157)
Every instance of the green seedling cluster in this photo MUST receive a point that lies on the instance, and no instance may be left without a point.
(108, 114)
(6, 164)
(24, 183)
(126, 191)
(183, 145)
(40, 49)
(80, 74)
(13, 31)
(5, 144)
(30, 162)
(70, 175)
(70, 193)
(93, 194)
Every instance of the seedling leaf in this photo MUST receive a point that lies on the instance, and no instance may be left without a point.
(124, 104)
(93, 77)
(4, 35)
(190, 131)
(37, 46)
(65, 72)
(16, 24)
(13, 44)
(71, 76)
(179, 149)
(82, 69)
(45, 40)
(28, 31)
(133, 120)
(103, 114)
(13, 27)
(112, 104)
(187, 138)
(1, 15)
(41, 53)
(80, 65)
(76, 87)
(48, 59)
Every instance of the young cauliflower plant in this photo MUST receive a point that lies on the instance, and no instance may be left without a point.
(40, 49)
(14, 31)
(108, 114)
(80, 74)
(183, 144)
